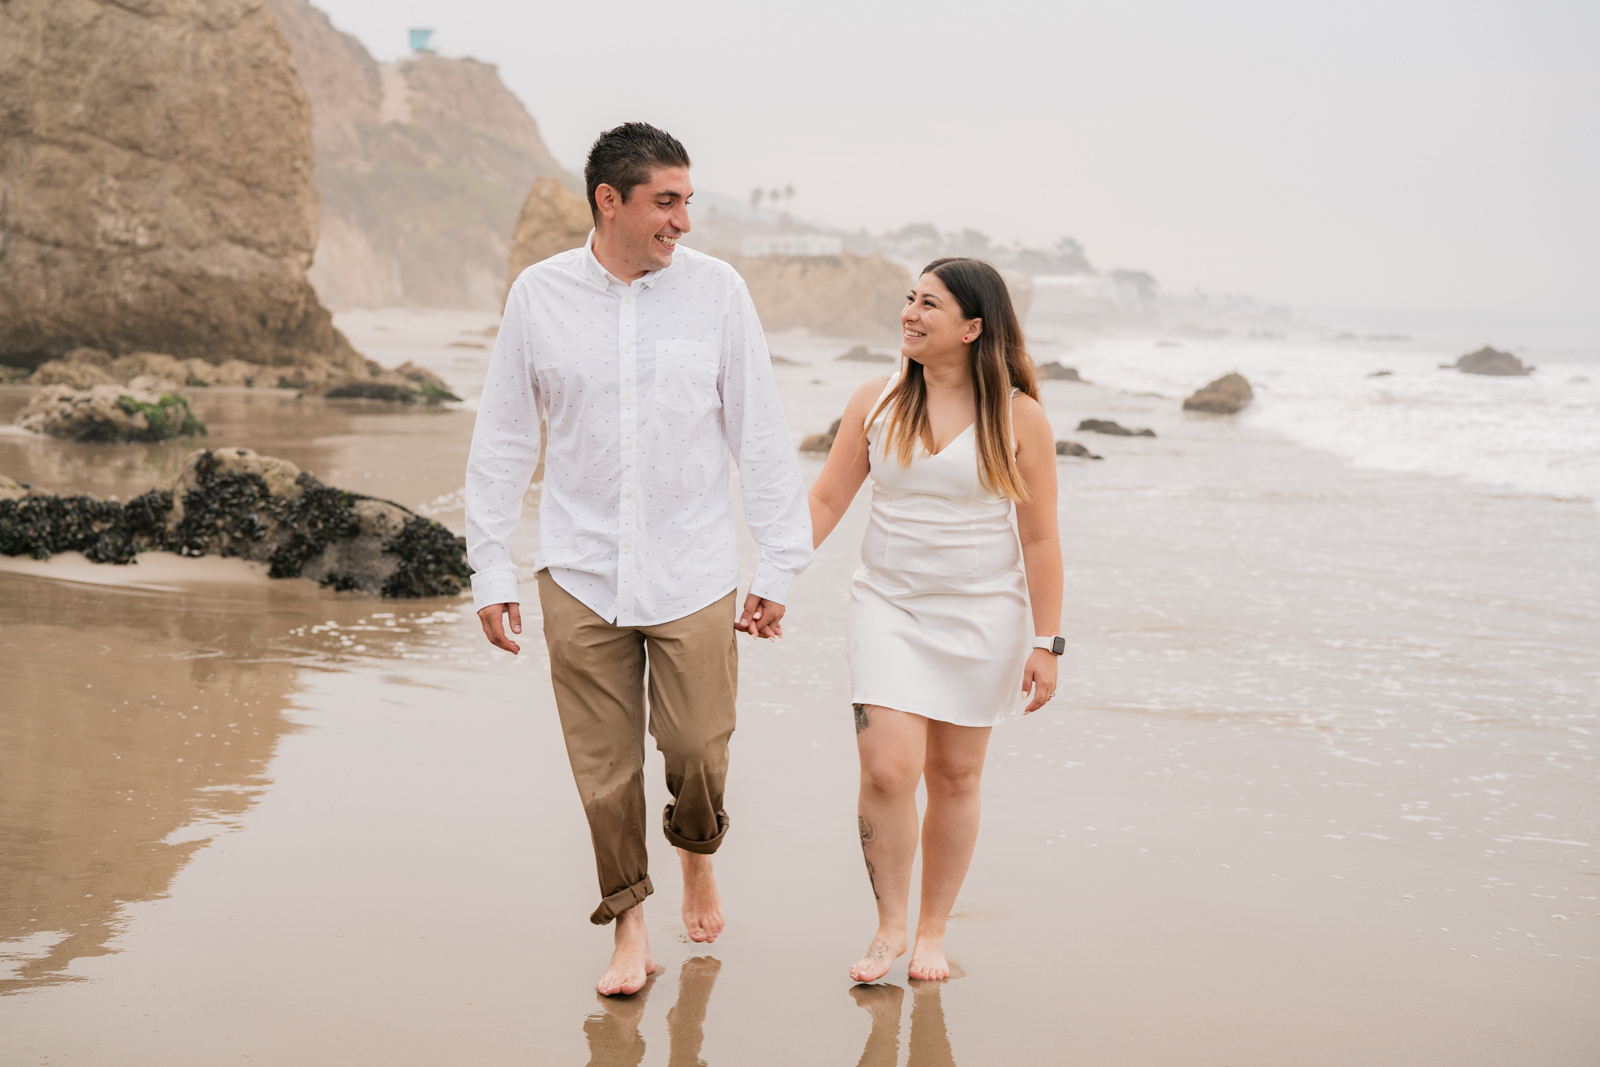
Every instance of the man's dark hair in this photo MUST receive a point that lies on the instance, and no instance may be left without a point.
(624, 156)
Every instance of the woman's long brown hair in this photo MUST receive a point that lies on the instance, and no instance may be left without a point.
(1000, 363)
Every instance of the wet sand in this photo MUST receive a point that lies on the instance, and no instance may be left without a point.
(1320, 788)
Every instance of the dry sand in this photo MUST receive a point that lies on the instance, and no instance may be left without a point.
(1319, 789)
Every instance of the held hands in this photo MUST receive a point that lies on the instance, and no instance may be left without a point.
(761, 618)
(493, 628)
(1039, 676)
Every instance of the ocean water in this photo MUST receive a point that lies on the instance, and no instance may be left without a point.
(1539, 434)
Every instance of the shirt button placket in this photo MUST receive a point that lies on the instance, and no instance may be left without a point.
(627, 511)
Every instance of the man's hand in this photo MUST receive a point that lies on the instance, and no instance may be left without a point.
(761, 618)
(494, 629)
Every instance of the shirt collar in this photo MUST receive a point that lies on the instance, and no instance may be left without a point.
(601, 277)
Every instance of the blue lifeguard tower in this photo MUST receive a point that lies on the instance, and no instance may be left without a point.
(419, 40)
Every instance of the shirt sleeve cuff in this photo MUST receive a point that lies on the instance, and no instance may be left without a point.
(772, 583)
(497, 585)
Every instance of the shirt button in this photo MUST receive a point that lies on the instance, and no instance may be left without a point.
(627, 396)
(628, 301)
(627, 444)
(628, 494)
(627, 544)
(627, 348)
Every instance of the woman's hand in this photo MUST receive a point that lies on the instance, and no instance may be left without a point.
(1039, 676)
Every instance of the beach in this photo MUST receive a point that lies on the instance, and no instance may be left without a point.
(1319, 787)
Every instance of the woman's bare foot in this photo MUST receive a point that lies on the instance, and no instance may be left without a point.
(702, 907)
(879, 957)
(631, 962)
(928, 961)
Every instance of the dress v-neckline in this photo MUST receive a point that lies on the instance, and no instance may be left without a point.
(953, 440)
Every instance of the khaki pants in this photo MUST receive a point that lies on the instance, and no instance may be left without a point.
(600, 672)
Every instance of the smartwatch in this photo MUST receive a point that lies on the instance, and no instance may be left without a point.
(1056, 646)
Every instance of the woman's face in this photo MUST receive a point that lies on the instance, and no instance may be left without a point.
(932, 328)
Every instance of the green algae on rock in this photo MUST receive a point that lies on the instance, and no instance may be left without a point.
(109, 414)
(233, 502)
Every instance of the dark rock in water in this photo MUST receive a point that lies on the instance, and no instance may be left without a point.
(233, 502)
(433, 388)
(365, 390)
(1115, 429)
(1491, 361)
(110, 414)
(859, 354)
(1381, 374)
(1073, 448)
(1055, 372)
(1226, 396)
(821, 442)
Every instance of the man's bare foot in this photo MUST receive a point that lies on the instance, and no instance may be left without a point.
(928, 961)
(702, 907)
(879, 957)
(631, 962)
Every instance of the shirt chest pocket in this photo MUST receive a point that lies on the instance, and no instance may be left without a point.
(686, 376)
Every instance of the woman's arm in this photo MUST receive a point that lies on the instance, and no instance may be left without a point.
(1041, 540)
(847, 465)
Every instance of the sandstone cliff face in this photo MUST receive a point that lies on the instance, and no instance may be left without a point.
(155, 184)
(421, 165)
(850, 296)
(553, 219)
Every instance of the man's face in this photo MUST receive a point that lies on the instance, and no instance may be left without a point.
(643, 230)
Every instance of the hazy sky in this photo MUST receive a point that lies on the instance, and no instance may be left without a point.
(1395, 154)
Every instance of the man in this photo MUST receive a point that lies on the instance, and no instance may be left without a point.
(649, 365)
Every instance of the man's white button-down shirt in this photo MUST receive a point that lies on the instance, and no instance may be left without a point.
(647, 388)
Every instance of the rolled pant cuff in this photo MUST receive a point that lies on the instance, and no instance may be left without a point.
(704, 848)
(621, 901)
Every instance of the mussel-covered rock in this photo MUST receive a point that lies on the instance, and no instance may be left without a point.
(1056, 372)
(821, 442)
(110, 413)
(1073, 448)
(1228, 395)
(233, 502)
(1115, 429)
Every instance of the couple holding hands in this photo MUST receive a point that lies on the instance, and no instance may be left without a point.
(649, 366)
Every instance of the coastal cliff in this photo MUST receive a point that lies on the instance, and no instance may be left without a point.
(421, 166)
(161, 196)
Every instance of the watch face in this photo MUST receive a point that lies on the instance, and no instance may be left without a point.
(1059, 646)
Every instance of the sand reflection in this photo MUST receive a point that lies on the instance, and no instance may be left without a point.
(930, 1041)
(613, 1032)
(123, 747)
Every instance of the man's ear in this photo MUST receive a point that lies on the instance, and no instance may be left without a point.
(606, 200)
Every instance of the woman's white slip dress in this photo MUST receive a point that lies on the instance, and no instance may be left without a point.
(939, 618)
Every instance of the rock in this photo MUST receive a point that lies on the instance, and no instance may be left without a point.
(1109, 427)
(11, 490)
(74, 374)
(821, 442)
(159, 197)
(859, 354)
(839, 296)
(233, 502)
(1055, 372)
(785, 361)
(1073, 448)
(1491, 361)
(1381, 374)
(552, 220)
(106, 414)
(1227, 395)
(432, 386)
(421, 165)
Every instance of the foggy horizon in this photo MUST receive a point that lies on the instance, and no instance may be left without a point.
(1416, 158)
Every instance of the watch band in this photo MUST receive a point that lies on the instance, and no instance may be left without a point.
(1056, 646)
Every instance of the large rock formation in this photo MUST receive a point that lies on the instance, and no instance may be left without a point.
(233, 502)
(1491, 361)
(844, 296)
(421, 165)
(155, 184)
(553, 219)
(1228, 395)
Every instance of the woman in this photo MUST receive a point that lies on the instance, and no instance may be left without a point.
(943, 613)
